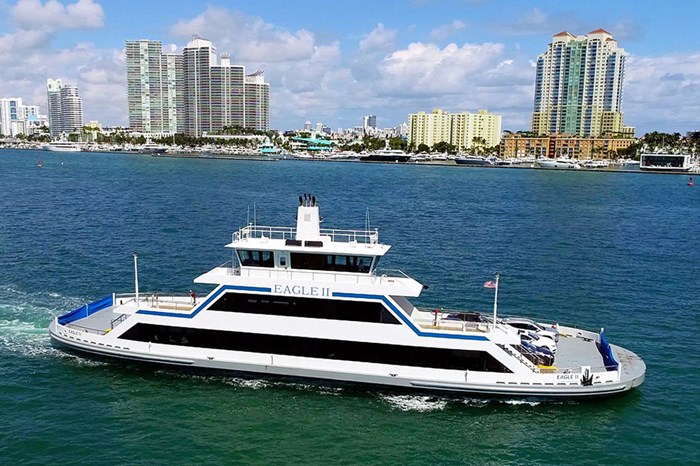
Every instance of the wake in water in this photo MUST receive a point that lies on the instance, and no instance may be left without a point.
(24, 318)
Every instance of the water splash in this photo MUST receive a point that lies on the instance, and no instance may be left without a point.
(419, 403)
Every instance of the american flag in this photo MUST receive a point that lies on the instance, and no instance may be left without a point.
(490, 284)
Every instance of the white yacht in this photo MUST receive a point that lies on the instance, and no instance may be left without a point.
(150, 147)
(560, 163)
(62, 146)
(311, 302)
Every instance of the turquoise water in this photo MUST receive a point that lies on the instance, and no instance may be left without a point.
(590, 249)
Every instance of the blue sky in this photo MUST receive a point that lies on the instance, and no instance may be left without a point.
(333, 62)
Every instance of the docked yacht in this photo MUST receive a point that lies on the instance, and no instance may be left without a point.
(312, 302)
(386, 155)
(560, 163)
(62, 146)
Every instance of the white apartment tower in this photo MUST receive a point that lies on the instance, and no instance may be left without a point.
(154, 88)
(257, 102)
(65, 108)
(216, 94)
(578, 85)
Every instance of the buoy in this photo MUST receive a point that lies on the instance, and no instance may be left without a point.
(690, 182)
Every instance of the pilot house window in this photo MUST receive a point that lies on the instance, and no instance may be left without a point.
(256, 258)
(332, 262)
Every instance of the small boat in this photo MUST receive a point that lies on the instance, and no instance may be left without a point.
(39, 165)
(474, 161)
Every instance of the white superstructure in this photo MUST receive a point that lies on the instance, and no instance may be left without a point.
(311, 302)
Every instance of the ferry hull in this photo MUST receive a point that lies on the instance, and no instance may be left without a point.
(118, 350)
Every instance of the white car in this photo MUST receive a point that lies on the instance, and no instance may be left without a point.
(538, 340)
(532, 326)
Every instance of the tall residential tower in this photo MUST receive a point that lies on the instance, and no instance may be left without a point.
(65, 108)
(578, 86)
(154, 88)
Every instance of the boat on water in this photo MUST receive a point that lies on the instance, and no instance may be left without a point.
(386, 155)
(669, 163)
(63, 146)
(560, 163)
(309, 302)
(474, 161)
(150, 147)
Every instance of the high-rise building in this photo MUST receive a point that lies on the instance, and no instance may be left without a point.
(257, 102)
(470, 129)
(578, 85)
(154, 88)
(217, 95)
(428, 128)
(463, 130)
(65, 108)
(10, 114)
(369, 123)
(194, 93)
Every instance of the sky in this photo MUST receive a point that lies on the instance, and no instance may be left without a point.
(333, 62)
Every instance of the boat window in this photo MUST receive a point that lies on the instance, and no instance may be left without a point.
(379, 353)
(256, 258)
(332, 262)
(314, 308)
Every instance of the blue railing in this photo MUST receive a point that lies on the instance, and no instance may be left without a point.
(606, 351)
(86, 310)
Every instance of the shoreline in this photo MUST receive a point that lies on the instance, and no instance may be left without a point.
(448, 163)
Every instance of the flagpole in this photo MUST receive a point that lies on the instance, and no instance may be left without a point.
(495, 304)
(136, 278)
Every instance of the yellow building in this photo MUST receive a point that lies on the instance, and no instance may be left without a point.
(428, 128)
(459, 129)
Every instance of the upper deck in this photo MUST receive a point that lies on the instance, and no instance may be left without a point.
(332, 241)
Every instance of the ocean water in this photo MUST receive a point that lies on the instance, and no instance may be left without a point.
(610, 250)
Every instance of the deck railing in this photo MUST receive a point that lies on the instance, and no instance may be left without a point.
(336, 235)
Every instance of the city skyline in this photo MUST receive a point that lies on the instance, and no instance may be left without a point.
(334, 65)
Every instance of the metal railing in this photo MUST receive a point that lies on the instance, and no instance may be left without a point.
(336, 235)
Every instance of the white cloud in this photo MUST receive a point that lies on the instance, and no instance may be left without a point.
(245, 37)
(53, 15)
(447, 30)
(662, 93)
(379, 39)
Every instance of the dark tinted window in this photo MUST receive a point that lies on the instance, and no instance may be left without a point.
(304, 307)
(256, 258)
(438, 358)
(333, 262)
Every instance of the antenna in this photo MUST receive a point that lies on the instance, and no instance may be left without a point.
(247, 217)
(255, 215)
(367, 220)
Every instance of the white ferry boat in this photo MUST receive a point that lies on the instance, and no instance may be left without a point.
(311, 302)
(62, 146)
